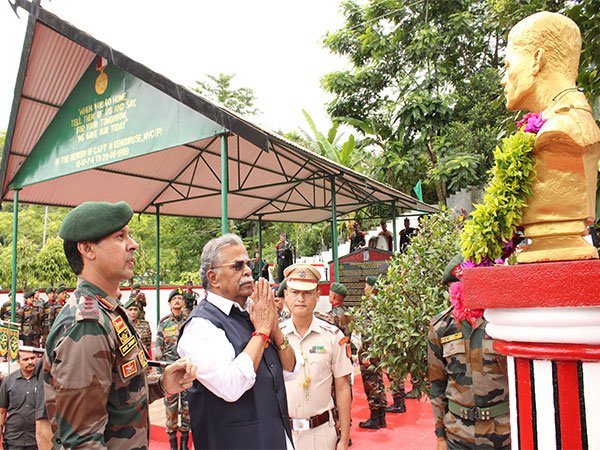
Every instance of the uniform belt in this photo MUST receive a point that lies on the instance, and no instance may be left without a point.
(306, 424)
(477, 413)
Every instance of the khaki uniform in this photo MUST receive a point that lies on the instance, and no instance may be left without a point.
(97, 391)
(325, 351)
(465, 369)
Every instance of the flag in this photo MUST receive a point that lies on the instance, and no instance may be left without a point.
(13, 342)
(4, 332)
(418, 190)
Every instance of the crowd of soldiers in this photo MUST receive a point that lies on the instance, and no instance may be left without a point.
(36, 316)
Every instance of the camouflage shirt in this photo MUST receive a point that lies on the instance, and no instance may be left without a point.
(191, 300)
(49, 313)
(97, 391)
(140, 302)
(142, 328)
(464, 368)
(166, 337)
(5, 312)
(31, 320)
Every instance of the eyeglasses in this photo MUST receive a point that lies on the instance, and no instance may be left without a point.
(238, 265)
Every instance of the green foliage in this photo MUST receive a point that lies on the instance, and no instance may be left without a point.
(398, 316)
(495, 220)
(218, 88)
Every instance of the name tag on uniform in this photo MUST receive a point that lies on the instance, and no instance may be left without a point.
(318, 349)
(452, 337)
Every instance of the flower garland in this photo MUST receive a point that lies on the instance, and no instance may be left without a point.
(489, 238)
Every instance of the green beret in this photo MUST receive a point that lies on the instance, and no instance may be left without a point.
(61, 288)
(28, 294)
(130, 302)
(339, 289)
(50, 289)
(282, 287)
(91, 221)
(371, 281)
(175, 292)
(136, 286)
(450, 274)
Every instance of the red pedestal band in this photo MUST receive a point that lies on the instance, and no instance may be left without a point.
(551, 284)
(554, 352)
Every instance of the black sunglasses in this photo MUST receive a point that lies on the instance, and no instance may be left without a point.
(238, 265)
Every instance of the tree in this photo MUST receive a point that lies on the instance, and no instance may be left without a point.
(218, 88)
(397, 317)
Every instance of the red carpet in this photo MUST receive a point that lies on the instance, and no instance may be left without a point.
(412, 430)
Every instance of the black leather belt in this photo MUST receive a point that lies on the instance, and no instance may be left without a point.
(312, 422)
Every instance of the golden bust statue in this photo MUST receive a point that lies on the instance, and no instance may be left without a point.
(542, 60)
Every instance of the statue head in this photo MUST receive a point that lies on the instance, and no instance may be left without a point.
(542, 58)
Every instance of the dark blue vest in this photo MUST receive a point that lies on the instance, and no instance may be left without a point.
(260, 416)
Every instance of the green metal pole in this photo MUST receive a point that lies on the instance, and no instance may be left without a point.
(260, 244)
(224, 184)
(157, 264)
(394, 230)
(334, 236)
(13, 287)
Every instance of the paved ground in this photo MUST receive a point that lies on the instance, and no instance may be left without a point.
(410, 431)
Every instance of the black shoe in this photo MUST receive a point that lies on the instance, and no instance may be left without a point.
(382, 422)
(414, 394)
(373, 422)
(398, 407)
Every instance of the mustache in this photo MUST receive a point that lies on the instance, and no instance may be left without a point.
(245, 280)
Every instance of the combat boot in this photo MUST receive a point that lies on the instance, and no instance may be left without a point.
(382, 423)
(173, 440)
(398, 407)
(373, 422)
(183, 445)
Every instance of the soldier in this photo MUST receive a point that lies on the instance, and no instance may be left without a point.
(141, 326)
(338, 315)
(372, 375)
(469, 386)
(326, 353)
(166, 350)
(5, 311)
(30, 321)
(97, 391)
(140, 299)
(49, 312)
(190, 298)
(282, 313)
(37, 298)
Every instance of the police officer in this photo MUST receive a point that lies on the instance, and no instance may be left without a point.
(469, 385)
(326, 353)
(30, 320)
(97, 390)
(166, 350)
(142, 327)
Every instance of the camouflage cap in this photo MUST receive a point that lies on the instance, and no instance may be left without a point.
(303, 277)
(28, 294)
(91, 221)
(339, 289)
(50, 289)
(282, 287)
(371, 280)
(452, 271)
(174, 292)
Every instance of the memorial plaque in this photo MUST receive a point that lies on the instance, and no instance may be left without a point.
(353, 274)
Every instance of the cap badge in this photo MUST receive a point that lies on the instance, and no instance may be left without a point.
(302, 274)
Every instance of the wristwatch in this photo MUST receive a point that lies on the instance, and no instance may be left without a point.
(285, 344)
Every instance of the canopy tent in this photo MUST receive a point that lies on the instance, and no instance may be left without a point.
(89, 123)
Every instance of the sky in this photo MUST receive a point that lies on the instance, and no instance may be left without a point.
(272, 46)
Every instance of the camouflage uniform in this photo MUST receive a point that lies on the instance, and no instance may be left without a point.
(142, 328)
(5, 312)
(166, 348)
(372, 378)
(191, 300)
(49, 312)
(97, 391)
(31, 320)
(458, 355)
